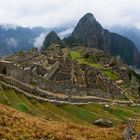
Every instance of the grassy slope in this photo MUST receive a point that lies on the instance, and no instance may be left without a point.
(76, 55)
(110, 74)
(15, 101)
(83, 114)
(3, 97)
(16, 125)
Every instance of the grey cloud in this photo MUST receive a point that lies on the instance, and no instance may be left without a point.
(11, 42)
(65, 33)
(53, 13)
(9, 26)
(38, 41)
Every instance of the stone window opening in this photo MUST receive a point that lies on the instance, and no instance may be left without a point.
(4, 71)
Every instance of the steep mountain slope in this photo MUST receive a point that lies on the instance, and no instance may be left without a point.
(90, 33)
(16, 125)
(130, 32)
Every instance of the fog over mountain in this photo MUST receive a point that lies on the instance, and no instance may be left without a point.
(16, 38)
(53, 13)
(35, 19)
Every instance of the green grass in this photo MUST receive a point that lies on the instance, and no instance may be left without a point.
(101, 112)
(15, 101)
(110, 74)
(79, 112)
(121, 112)
(34, 110)
(3, 97)
(60, 112)
(49, 114)
(86, 61)
(77, 55)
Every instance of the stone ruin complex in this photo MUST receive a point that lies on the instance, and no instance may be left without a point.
(52, 74)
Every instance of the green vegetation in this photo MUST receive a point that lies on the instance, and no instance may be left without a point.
(3, 97)
(92, 60)
(60, 112)
(15, 101)
(86, 61)
(81, 114)
(78, 55)
(75, 55)
(110, 74)
(17, 125)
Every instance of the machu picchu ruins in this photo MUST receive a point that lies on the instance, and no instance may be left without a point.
(72, 82)
(55, 75)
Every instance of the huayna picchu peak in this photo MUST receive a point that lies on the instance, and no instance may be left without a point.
(90, 33)
(77, 88)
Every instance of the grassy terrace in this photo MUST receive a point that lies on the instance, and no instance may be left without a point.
(107, 72)
(81, 114)
(110, 74)
(69, 114)
(77, 55)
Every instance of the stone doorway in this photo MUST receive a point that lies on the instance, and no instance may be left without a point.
(4, 71)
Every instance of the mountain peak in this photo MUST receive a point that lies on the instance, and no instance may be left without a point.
(52, 37)
(89, 29)
(53, 33)
(89, 16)
(89, 32)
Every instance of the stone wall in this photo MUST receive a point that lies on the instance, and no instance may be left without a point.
(39, 94)
(68, 78)
(39, 70)
(50, 73)
(25, 57)
(5, 67)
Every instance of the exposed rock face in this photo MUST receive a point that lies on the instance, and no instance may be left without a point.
(90, 33)
(52, 37)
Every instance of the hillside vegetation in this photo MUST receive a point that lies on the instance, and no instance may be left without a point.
(18, 126)
(59, 121)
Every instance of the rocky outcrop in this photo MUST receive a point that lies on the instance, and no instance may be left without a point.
(103, 123)
(129, 131)
(90, 33)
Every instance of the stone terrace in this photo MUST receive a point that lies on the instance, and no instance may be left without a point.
(54, 72)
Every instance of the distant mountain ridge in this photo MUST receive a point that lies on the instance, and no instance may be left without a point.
(90, 33)
(132, 33)
(16, 38)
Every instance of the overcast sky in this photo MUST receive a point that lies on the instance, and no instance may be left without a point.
(51, 13)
